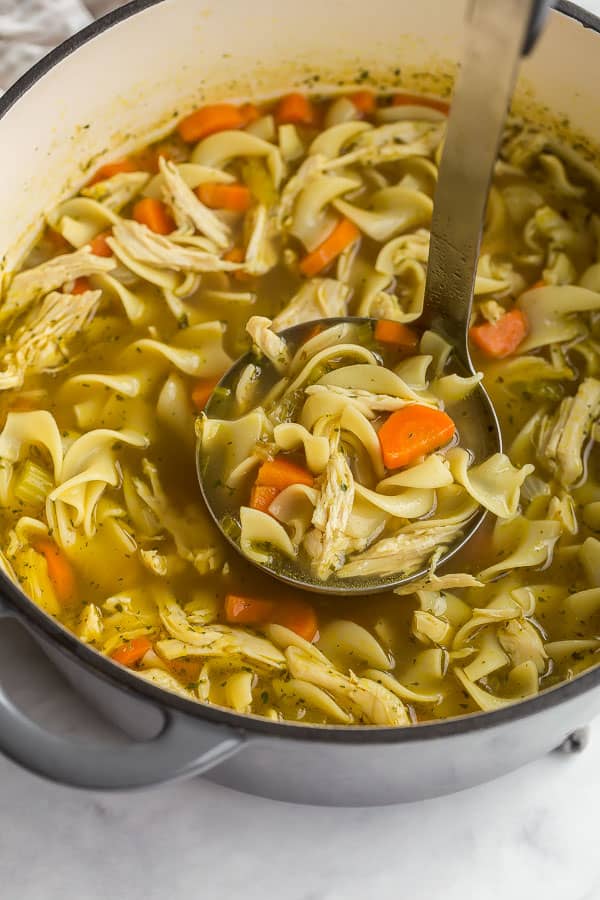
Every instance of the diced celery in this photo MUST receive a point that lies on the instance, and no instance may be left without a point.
(32, 484)
(258, 179)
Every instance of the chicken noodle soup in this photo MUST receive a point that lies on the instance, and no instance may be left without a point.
(133, 304)
(334, 456)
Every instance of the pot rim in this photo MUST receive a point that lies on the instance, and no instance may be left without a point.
(111, 672)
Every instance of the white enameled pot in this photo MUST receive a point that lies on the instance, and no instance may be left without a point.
(118, 83)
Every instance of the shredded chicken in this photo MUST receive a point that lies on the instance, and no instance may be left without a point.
(261, 251)
(274, 348)
(189, 212)
(522, 642)
(33, 284)
(367, 403)
(41, 341)
(562, 437)
(403, 553)
(135, 240)
(118, 191)
(319, 298)
(331, 515)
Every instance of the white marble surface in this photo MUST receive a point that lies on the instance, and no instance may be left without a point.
(530, 834)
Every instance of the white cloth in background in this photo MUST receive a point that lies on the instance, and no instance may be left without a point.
(30, 28)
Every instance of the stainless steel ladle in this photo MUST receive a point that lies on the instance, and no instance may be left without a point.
(499, 32)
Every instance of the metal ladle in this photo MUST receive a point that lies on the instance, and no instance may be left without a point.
(499, 32)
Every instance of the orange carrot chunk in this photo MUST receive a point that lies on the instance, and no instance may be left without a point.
(295, 109)
(98, 245)
(537, 284)
(202, 390)
(262, 496)
(413, 431)
(249, 112)
(281, 473)
(114, 168)
(344, 234)
(247, 610)
(155, 215)
(364, 101)
(209, 120)
(187, 670)
(298, 617)
(80, 285)
(418, 100)
(131, 652)
(235, 197)
(59, 568)
(501, 338)
(396, 334)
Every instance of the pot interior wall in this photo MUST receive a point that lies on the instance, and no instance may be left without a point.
(133, 79)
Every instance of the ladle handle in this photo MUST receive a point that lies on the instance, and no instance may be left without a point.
(498, 33)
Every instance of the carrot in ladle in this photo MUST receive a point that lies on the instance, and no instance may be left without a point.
(501, 338)
(282, 473)
(344, 234)
(396, 334)
(412, 432)
(202, 390)
(262, 495)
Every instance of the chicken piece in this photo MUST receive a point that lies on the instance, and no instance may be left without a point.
(138, 242)
(376, 704)
(562, 437)
(366, 402)
(261, 252)
(188, 211)
(319, 298)
(184, 529)
(40, 342)
(331, 515)
(33, 284)
(522, 642)
(403, 553)
(118, 191)
(390, 142)
(274, 348)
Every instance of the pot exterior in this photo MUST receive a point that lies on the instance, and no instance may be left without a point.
(341, 774)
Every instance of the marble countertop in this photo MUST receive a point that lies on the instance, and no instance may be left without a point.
(530, 834)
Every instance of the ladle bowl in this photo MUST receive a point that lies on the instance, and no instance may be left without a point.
(288, 571)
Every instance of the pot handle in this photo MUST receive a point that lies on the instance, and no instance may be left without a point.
(186, 746)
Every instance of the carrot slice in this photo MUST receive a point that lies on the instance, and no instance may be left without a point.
(209, 120)
(155, 215)
(132, 651)
(281, 473)
(364, 101)
(238, 255)
(295, 109)
(293, 614)
(298, 617)
(537, 284)
(98, 245)
(127, 164)
(249, 112)
(413, 431)
(235, 197)
(501, 338)
(202, 390)
(187, 670)
(81, 285)
(395, 333)
(419, 100)
(262, 496)
(60, 571)
(247, 610)
(344, 233)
